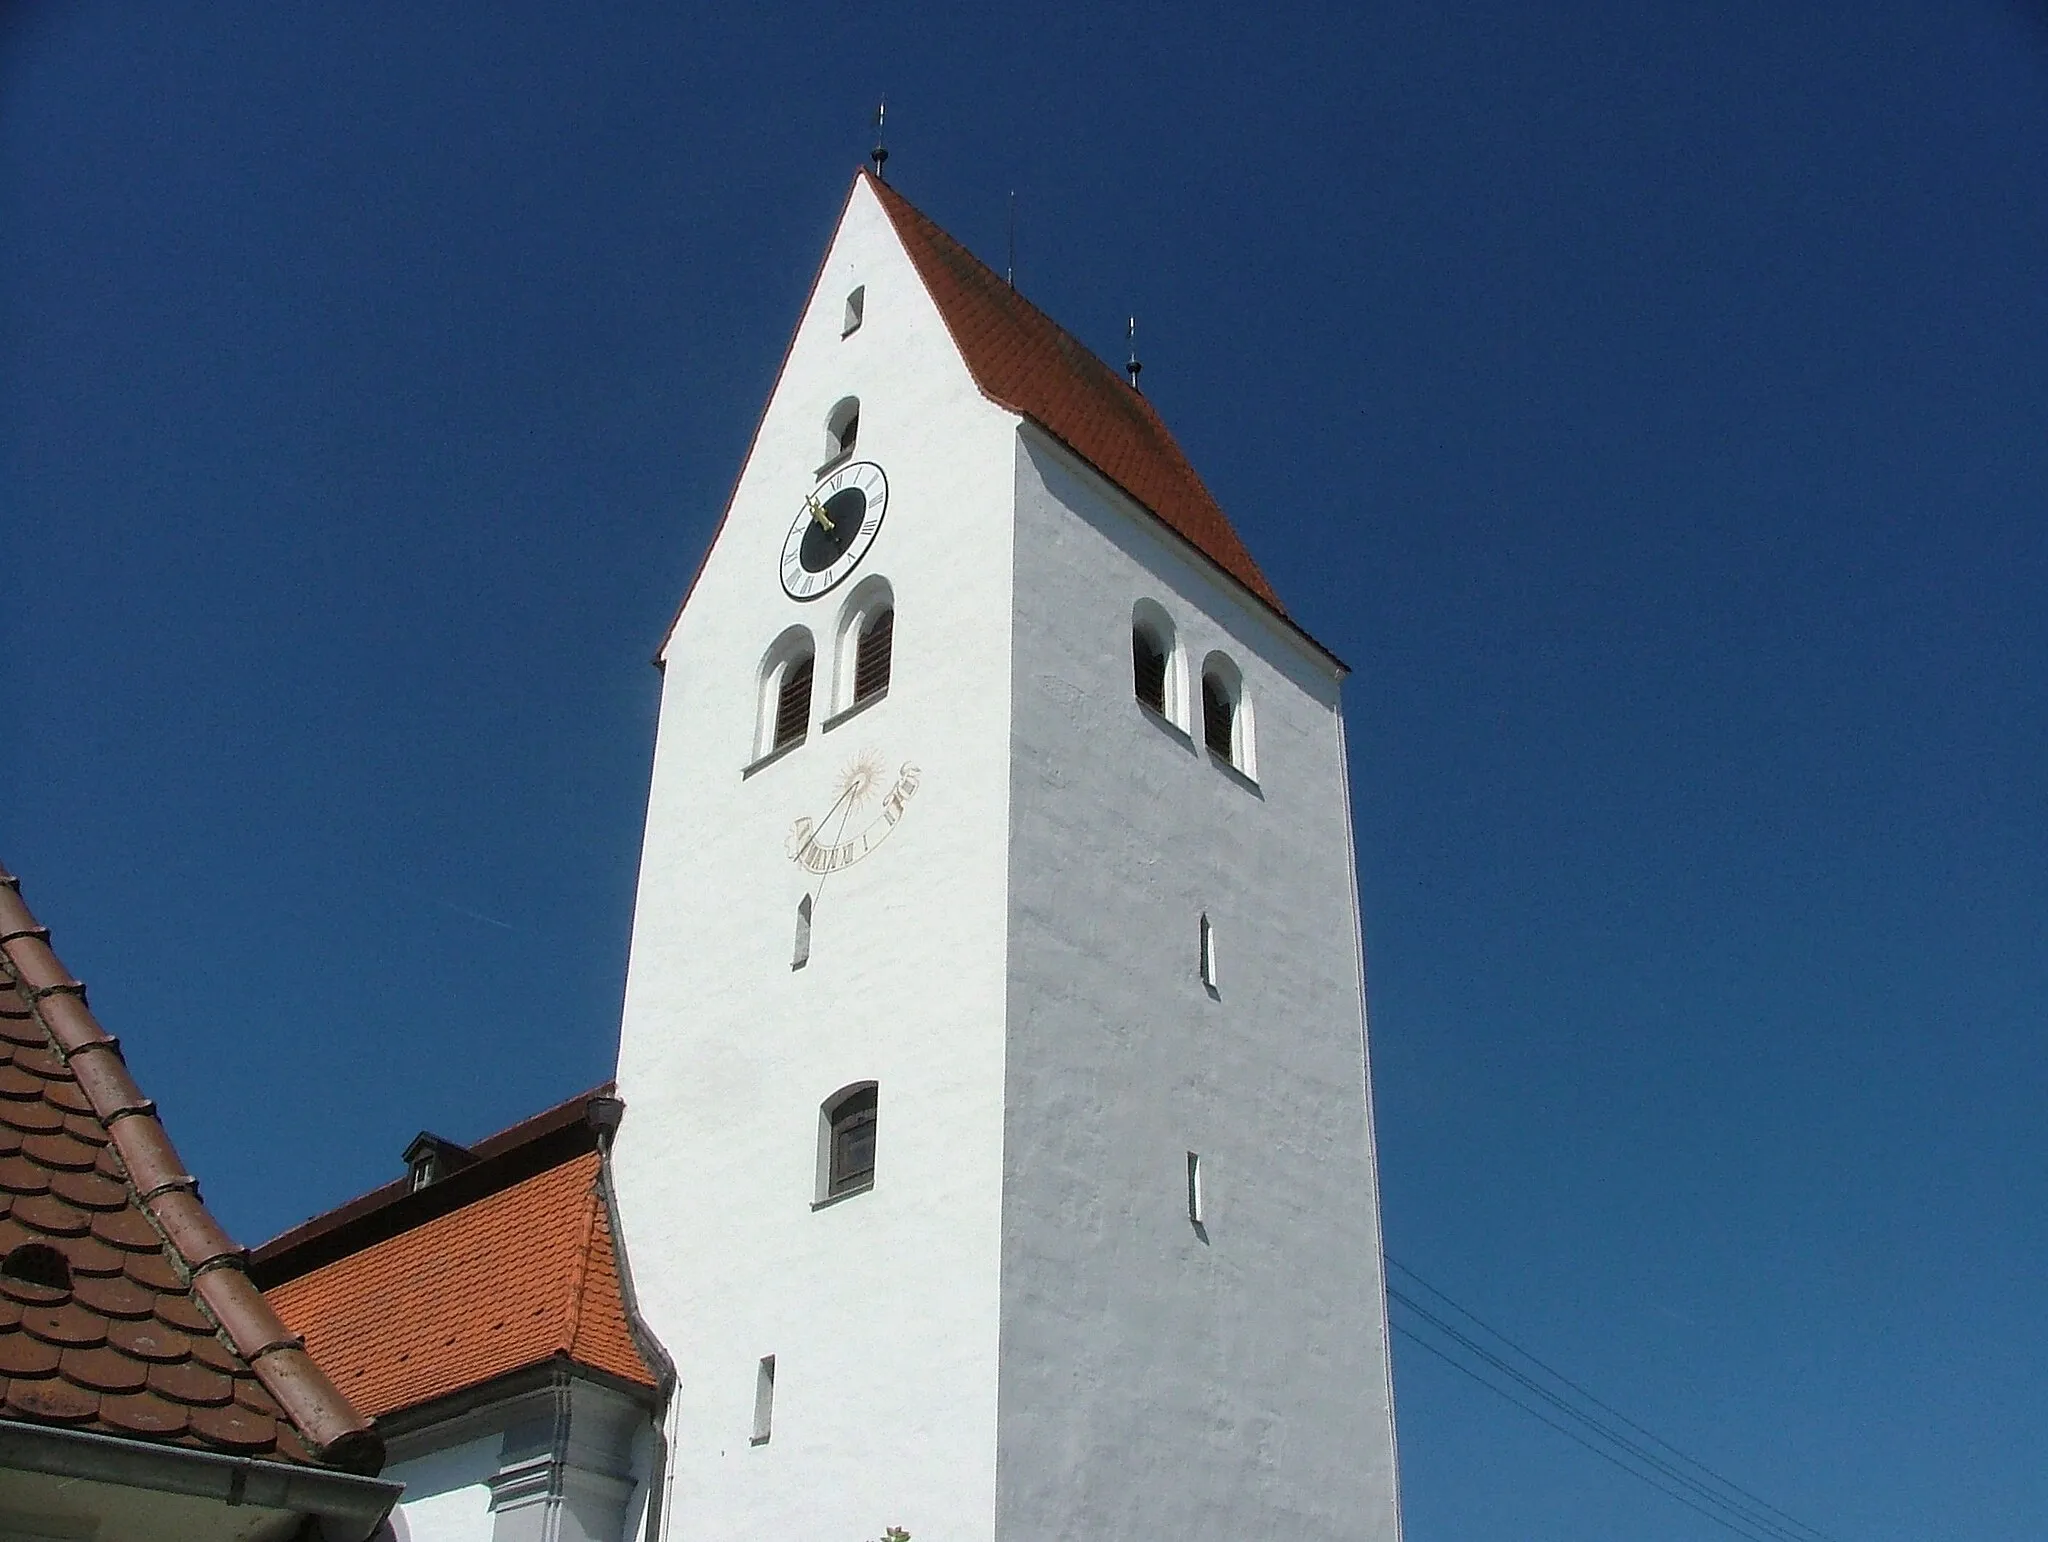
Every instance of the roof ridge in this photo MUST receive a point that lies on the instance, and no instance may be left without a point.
(503, 1158)
(168, 1197)
(1022, 359)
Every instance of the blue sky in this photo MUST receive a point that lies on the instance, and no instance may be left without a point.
(1647, 399)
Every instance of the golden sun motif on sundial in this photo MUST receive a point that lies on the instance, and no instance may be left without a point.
(832, 841)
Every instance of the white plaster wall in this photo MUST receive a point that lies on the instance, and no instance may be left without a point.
(1156, 1383)
(882, 1309)
(447, 1494)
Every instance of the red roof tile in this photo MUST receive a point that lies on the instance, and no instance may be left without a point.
(124, 1308)
(518, 1277)
(1024, 360)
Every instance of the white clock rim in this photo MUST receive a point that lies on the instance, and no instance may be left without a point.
(849, 559)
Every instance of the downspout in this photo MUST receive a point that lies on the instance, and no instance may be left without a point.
(605, 1114)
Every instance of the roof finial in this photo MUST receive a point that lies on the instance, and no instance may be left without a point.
(1010, 274)
(1132, 366)
(880, 154)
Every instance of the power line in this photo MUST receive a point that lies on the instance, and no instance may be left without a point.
(1573, 1435)
(1770, 1529)
(1552, 1371)
(1750, 1508)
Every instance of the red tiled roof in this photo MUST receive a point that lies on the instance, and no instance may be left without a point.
(1024, 360)
(149, 1329)
(547, 1139)
(518, 1277)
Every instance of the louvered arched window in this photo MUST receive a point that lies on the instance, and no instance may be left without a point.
(873, 653)
(1148, 669)
(1226, 715)
(783, 719)
(793, 703)
(1217, 711)
(1155, 671)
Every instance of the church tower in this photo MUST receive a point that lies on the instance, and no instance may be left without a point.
(998, 1154)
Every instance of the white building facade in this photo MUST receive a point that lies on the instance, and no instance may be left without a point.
(998, 1157)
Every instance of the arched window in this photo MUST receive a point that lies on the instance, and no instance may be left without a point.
(787, 672)
(1217, 711)
(847, 1163)
(793, 703)
(1226, 715)
(1148, 669)
(872, 653)
(1155, 672)
(842, 429)
(865, 650)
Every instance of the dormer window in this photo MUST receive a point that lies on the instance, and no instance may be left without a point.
(429, 1159)
(37, 1263)
(856, 305)
(842, 429)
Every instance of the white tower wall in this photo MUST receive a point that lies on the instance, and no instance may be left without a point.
(881, 1309)
(1159, 1379)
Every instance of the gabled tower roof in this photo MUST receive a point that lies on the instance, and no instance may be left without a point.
(1024, 360)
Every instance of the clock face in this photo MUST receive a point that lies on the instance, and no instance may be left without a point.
(834, 529)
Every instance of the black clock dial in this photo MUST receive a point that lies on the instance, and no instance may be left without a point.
(829, 537)
(837, 524)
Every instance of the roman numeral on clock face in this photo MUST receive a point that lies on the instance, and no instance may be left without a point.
(834, 541)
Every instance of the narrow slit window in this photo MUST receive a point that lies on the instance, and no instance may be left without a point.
(1208, 953)
(793, 703)
(764, 1400)
(850, 1157)
(1219, 711)
(856, 308)
(801, 955)
(873, 654)
(1148, 669)
(1195, 1189)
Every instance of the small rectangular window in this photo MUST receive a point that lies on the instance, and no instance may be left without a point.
(764, 1400)
(1194, 1188)
(1208, 953)
(856, 303)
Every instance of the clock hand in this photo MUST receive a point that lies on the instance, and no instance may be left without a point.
(817, 512)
